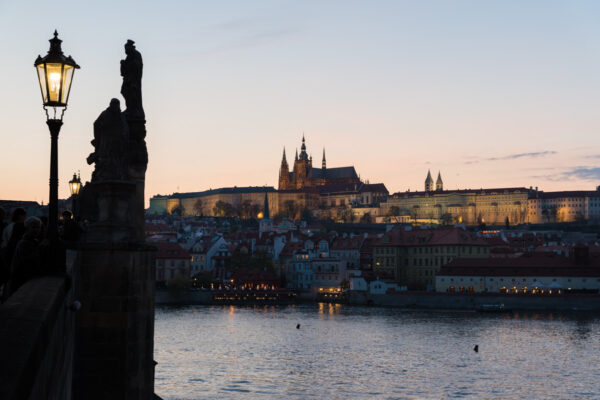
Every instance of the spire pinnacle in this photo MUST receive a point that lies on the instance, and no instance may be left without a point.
(284, 163)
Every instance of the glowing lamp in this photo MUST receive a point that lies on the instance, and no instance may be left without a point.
(75, 185)
(55, 74)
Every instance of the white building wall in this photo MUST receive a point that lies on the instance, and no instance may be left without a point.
(493, 284)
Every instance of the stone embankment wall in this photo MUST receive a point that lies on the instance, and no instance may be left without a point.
(193, 297)
(36, 341)
(432, 300)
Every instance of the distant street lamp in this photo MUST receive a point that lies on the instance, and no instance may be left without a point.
(55, 73)
(75, 186)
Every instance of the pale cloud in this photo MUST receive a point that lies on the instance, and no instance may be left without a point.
(585, 173)
(515, 156)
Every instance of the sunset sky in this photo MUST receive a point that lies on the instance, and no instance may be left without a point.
(493, 94)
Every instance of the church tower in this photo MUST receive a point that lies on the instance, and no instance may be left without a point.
(265, 224)
(284, 173)
(429, 182)
(439, 185)
(324, 162)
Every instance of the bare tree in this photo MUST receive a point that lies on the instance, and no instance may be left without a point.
(198, 208)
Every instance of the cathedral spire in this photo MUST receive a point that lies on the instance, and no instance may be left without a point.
(296, 155)
(429, 182)
(324, 162)
(439, 184)
(284, 159)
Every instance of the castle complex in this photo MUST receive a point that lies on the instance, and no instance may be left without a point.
(305, 175)
(340, 194)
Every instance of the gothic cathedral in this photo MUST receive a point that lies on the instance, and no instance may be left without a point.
(304, 175)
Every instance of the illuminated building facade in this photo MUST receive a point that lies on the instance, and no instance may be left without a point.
(567, 206)
(471, 207)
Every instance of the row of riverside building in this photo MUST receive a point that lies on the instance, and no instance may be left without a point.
(307, 258)
(340, 194)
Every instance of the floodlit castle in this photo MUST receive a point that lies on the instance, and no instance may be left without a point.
(305, 175)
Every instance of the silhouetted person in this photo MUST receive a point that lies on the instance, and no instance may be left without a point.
(18, 216)
(70, 229)
(298, 326)
(12, 234)
(26, 262)
(476, 348)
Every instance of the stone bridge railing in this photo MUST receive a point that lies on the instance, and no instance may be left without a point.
(37, 329)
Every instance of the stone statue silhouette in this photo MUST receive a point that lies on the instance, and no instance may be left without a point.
(131, 89)
(111, 142)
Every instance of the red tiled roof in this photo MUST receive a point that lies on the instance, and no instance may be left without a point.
(429, 237)
(170, 250)
(538, 264)
(291, 247)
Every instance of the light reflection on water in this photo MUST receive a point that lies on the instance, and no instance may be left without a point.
(341, 352)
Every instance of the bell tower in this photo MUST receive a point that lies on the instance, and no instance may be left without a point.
(284, 173)
(439, 185)
(429, 182)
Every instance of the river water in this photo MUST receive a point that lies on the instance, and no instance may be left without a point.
(349, 352)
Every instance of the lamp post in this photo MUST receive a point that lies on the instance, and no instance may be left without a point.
(75, 186)
(55, 74)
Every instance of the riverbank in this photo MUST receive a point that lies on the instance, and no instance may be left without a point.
(460, 301)
(210, 297)
(413, 300)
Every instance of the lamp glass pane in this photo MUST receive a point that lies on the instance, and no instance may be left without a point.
(67, 79)
(42, 79)
(54, 77)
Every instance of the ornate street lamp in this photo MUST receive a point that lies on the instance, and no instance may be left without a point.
(55, 73)
(75, 185)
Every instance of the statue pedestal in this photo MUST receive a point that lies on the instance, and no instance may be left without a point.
(115, 326)
(116, 206)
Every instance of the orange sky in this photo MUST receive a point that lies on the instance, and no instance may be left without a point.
(493, 95)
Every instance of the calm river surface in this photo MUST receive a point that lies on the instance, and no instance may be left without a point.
(347, 352)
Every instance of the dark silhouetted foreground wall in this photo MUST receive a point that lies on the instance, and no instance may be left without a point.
(36, 341)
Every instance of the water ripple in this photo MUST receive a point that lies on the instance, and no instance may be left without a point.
(344, 352)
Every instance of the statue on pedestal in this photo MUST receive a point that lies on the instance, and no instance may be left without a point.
(115, 196)
(131, 89)
(111, 141)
